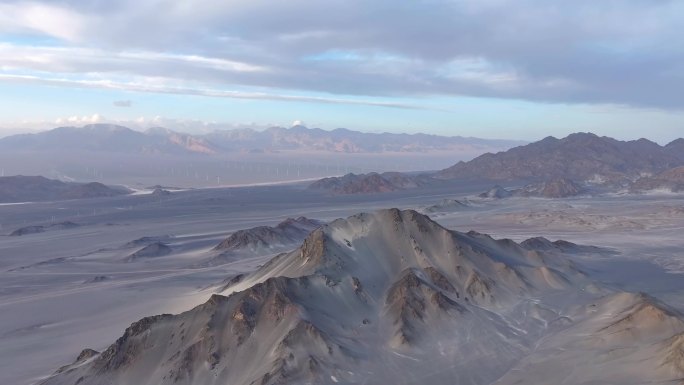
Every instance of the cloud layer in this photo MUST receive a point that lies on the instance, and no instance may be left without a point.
(626, 52)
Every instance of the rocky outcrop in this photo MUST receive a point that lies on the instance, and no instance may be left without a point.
(160, 192)
(153, 250)
(371, 183)
(670, 180)
(557, 188)
(496, 192)
(287, 232)
(43, 228)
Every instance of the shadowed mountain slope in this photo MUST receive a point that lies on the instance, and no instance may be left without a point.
(580, 157)
(287, 232)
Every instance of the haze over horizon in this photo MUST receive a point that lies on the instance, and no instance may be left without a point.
(490, 69)
(213, 127)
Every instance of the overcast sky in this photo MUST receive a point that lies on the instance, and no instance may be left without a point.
(490, 68)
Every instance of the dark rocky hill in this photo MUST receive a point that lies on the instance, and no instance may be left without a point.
(37, 188)
(371, 183)
(35, 229)
(580, 157)
(107, 138)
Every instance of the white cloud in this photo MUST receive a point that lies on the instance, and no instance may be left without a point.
(51, 20)
(77, 120)
(69, 59)
(585, 51)
(214, 93)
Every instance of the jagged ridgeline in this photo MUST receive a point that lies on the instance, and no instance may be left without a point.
(390, 297)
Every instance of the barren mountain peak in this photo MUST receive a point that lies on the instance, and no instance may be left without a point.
(364, 292)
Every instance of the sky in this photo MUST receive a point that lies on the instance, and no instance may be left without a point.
(511, 69)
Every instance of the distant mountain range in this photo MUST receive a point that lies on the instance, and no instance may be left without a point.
(552, 168)
(107, 138)
(37, 188)
(119, 139)
(580, 157)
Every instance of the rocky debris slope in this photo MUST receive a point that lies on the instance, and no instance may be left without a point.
(640, 340)
(556, 188)
(671, 180)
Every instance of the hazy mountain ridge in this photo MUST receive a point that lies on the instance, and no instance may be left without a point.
(105, 138)
(579, 157)
(344, 140)
(37, 188)
(391, 296)
(158, 140)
